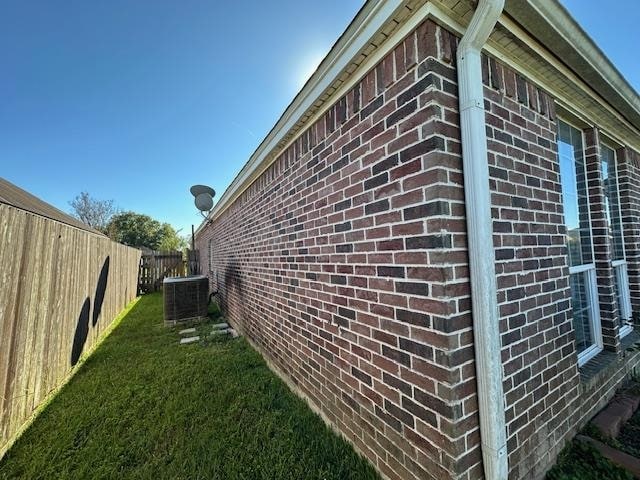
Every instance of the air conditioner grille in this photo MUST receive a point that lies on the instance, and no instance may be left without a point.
(185, 299)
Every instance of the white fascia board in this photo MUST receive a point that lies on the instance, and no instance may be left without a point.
(369, 21)
(557, 16)
(556, 29)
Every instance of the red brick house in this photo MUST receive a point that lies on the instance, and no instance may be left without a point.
(438, 244)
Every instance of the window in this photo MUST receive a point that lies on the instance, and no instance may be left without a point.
(614, 220)
(582, 270)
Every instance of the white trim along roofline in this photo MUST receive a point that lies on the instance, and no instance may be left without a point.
(550, 22)
(362, 29)
(380, 25)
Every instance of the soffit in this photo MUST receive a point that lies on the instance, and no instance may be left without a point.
(512, 43)
(553, 26)
(563, 71)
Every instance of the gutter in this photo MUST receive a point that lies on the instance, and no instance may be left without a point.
(480, 240)
(550, 23)
(546, 20)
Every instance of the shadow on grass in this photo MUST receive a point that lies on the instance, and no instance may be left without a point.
(143, 406)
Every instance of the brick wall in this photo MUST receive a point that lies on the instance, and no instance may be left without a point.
(531, 265)
(345, 264)
(601, 242)
(629, 187)
(546, 402)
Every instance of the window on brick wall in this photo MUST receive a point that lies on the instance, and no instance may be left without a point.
(577, 218)
(614, 219)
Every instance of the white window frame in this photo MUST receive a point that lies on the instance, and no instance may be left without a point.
(620, 270)
(592, 298)
(620, 266)
(590, 270)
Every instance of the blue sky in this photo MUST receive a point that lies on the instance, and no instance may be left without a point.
(137, 100)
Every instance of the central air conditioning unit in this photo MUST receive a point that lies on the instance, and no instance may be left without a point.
(185, 299)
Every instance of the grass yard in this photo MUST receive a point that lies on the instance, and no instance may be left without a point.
(629, 439)
(580, 461)
(144, 407)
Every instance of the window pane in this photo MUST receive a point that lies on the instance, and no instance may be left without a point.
(622, 294)
(582, 316)
(582, 277)
(574, 195)
(612, 201)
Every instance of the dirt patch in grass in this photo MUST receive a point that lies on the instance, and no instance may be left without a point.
(144, 407)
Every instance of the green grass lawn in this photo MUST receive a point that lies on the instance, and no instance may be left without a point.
(144, 407)
(629, 438)
(580, 461)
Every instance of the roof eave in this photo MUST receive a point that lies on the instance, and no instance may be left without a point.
(369, 20)
(545, 20)
(550, 23)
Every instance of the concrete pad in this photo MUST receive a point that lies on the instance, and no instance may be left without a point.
(622, 459)
(189, 340)
(634, 400)
(187, 331)
(220, 326)
(610, 420)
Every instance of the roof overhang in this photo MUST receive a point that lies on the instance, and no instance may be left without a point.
(369, 28)
(381, 24)
(550, 23)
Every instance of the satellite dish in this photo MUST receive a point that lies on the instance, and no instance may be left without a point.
(204, 202)
(203, 197)
(198, 189)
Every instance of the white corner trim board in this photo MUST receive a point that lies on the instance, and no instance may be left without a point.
(484, 300)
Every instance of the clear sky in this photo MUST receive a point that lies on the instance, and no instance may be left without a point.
(137, 100)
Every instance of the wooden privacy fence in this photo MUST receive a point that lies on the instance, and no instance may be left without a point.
(60, 288)
(156, 266)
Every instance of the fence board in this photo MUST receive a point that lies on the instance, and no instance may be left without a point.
(155, 266)
(60, 288)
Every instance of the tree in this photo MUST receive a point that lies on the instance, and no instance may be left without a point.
(138, 230)
(170, 239)
(93, 212)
